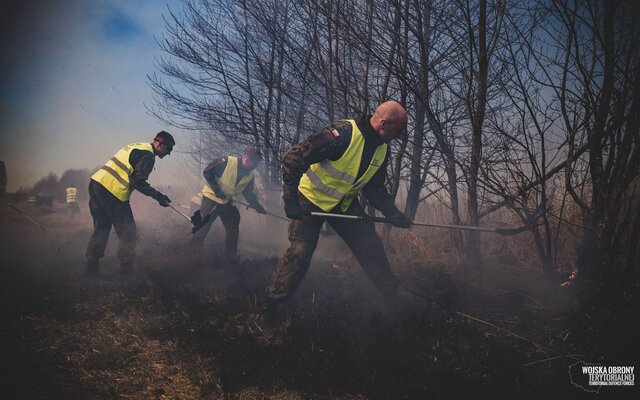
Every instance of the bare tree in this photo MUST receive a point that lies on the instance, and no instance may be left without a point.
(503, 98)
(602, 65)
(523, 130)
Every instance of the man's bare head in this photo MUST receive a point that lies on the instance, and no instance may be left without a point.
(389, 120)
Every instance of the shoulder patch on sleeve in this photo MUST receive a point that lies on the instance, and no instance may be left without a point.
(335, 133)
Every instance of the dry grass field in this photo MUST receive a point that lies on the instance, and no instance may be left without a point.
(182, 328)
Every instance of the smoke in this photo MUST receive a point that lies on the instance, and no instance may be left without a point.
(165, 258)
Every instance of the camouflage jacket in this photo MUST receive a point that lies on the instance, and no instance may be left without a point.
(330, 143)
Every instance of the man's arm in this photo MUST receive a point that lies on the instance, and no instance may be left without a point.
(142, 162)
(249, 195)
(376, 192)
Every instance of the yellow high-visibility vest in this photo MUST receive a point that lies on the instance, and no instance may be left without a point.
(114, 175)
(227, 182)
(328, 183)
(71, 194)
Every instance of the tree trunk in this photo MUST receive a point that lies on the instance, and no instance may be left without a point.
(415, 176)
(473, 252)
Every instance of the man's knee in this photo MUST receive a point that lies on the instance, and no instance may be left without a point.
(233, 230)
(129, 233)
(300, 252)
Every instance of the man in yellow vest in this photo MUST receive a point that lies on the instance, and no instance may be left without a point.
(109, 191)
(227, 177)
(324, 173)
(71, 198)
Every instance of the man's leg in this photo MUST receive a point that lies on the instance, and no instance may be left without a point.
(125, 227)
(207, 207)
(293, 265)
(101, 229)
(230, 218)
(364, 242)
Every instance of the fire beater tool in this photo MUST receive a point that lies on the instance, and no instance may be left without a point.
(23, 214)
(500, 231)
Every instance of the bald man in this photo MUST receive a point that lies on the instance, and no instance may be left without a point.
(325, 173)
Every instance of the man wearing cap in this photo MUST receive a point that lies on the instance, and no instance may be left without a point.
(226, 177)
(325, 173)
(109, 191)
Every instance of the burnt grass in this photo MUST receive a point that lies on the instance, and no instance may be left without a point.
(183, 327)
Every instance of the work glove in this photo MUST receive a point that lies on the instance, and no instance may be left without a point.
(163, 199)
(400, 220)
(293, 210)
(259, 209)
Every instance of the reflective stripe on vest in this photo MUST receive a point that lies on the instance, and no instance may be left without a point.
(71, 194)
(328, 183)
(114, 175)
(227, 182)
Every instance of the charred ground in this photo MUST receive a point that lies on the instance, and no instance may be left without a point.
(184, 328)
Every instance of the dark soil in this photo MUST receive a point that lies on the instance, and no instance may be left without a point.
(183, 327)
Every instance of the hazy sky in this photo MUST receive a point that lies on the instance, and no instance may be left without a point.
(73, 76)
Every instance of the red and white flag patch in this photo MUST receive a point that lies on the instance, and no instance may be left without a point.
(335, 133)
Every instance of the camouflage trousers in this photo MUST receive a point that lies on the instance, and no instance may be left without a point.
(230, 218)
(360, 237)
(108, 211)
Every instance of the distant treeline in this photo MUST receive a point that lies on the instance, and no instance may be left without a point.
(51, 185)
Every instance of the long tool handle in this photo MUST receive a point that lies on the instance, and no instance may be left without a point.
(386, 220)
(353, 217)
(23, 214)
(500, 231)
(181, 213)
(266, 212)
(461, 227)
